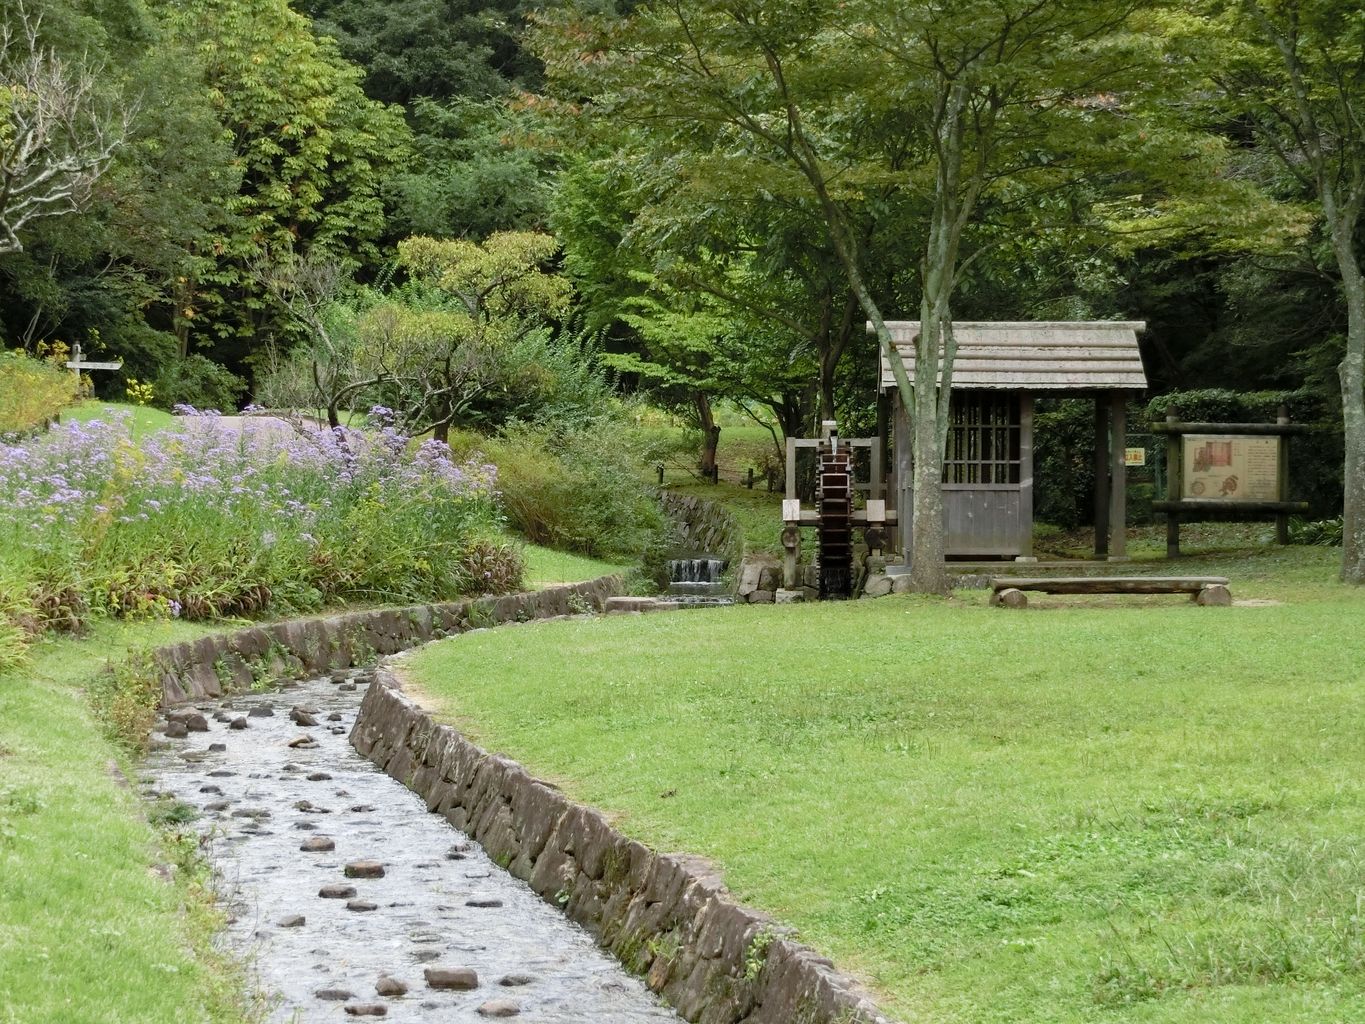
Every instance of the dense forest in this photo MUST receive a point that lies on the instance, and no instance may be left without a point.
(479, 213)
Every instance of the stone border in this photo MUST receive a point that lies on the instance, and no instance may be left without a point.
(666, 916)
(299, 648)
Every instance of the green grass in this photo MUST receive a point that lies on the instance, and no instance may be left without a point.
(88, 932)
(546, 567)
(143, 419)
(1096, 810)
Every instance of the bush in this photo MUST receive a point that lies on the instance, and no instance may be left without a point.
(199, 383)
(580, 490)
(32, 392)
(201, 521)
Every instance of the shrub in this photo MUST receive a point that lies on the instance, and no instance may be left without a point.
(580, 490)
(32, 392)
(198, 382)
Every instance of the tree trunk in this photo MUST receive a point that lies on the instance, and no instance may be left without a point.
(710, 434)
(1352, 375)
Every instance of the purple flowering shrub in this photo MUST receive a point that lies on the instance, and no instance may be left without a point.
(207, 520)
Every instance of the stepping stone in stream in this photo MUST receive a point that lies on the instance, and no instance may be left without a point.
(460, 979)
(335, 716)
(483, 902)
(318, 844)
(361, 906)
(364, 869)
(367, 1009)
(499, 1008)
(293, 921)
(516, 980)
(318, 777)
(303, 742)
(347, 688)
(217, 748)
(301, 717)
(261, 712)
(387, 986)
(211, 789)
(176, 730)
(237, 723)
(336, 891)
(334, 995)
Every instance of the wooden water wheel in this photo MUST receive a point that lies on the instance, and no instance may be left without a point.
(834, 498)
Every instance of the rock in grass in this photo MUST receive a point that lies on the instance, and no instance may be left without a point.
(364, 869)
(461, 979)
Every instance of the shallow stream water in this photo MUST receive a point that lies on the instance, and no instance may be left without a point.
(441, 903)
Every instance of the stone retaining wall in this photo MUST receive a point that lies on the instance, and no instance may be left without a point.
(300, 648)
(666, 916)
(704, 526)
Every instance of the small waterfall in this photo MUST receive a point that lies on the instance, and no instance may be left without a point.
(698, 581)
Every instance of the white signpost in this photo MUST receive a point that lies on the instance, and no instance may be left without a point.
(75, 364)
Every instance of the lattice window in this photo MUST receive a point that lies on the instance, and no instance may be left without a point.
(983, 439)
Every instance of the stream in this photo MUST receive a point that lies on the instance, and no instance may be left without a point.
(427, 906)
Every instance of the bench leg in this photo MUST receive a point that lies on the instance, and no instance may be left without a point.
(1009, 597)
(1214, 595)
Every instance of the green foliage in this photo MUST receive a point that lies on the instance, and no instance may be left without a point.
(32, 391)
(579, 490)
(1320, 532)
(200, 383)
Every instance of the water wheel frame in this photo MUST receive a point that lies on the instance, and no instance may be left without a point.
(834, 530)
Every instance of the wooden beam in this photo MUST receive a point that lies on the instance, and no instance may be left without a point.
(1026, 475)
(1215, 505)
(1174, 426)
(1118, 477)
(1282, 519)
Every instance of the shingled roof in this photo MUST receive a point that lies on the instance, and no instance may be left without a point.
(1034, 356)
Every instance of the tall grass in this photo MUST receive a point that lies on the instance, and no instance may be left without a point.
(202, 521)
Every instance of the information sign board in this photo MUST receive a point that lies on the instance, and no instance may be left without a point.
(1231, 467)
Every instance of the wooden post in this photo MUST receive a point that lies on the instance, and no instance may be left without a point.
(751, 478)
(1026, 474)
(1282, 442)
(904, 490)
(1174, 471)
(1118, 477)
(1101, 477)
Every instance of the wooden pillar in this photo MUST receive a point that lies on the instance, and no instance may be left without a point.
(903, 485)
(1101, 476)
(879, 446)
(1282, 443)
(1118, 477)
(1175, 469)
(1026, 475)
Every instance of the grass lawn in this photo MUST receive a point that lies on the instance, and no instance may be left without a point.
(546, 567)
(144, 420)
(88, 932)
(1108, 810)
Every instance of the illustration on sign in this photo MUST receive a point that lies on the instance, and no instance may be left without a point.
(1232, 468)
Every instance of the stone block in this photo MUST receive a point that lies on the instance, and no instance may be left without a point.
(788, 596)
(761, 597)
(877, 586)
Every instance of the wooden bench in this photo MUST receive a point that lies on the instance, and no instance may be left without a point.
(1008, 591)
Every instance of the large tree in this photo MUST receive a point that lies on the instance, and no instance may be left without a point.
(1294, 70)
(980, 106)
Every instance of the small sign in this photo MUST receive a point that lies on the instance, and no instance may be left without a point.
(1135, 456)
(791, 510)
(73, 365)
(876, 510)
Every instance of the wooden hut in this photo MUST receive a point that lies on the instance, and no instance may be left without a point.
(988, 470)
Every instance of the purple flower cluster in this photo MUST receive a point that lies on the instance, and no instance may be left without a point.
(267, 470)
